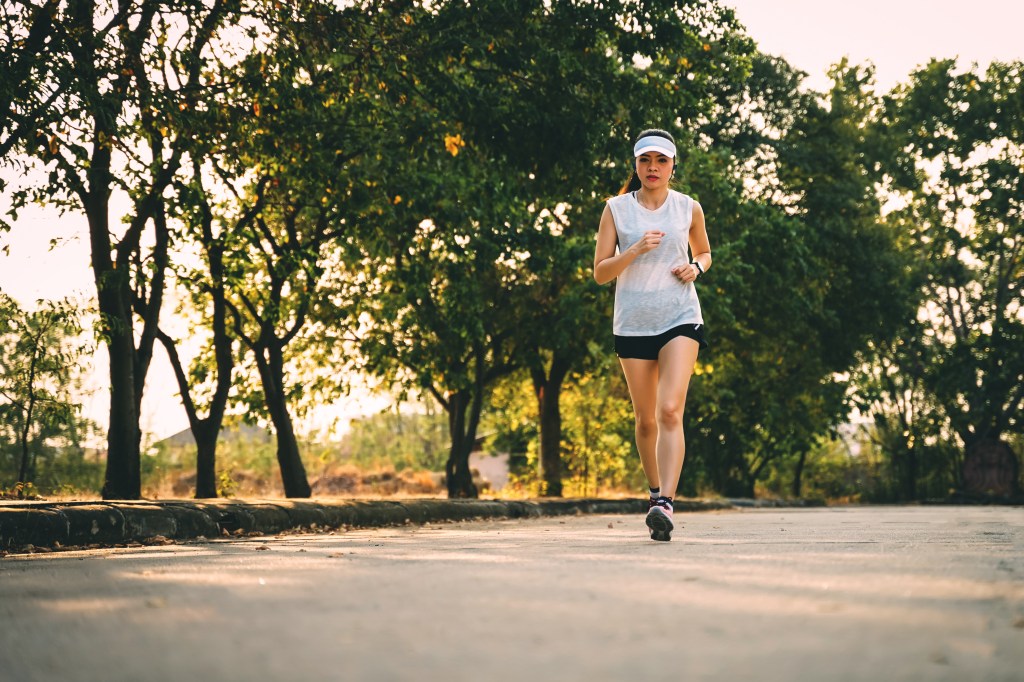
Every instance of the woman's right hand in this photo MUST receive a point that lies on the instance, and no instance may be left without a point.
(650, 241)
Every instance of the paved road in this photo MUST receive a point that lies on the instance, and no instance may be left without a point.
(880, 594)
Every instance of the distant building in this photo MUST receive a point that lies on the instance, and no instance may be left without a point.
(243, 432)
(492, 468)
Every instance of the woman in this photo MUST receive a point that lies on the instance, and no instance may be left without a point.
(658, 328)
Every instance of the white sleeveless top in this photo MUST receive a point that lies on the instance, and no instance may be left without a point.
(649, 299)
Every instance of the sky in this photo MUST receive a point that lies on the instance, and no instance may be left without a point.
(895, 35)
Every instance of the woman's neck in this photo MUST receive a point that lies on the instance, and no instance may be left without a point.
(652, 198)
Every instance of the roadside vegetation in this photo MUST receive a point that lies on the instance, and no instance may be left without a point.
(408, 191)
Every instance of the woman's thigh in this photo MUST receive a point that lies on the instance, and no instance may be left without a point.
(675, 367)
(642, 381)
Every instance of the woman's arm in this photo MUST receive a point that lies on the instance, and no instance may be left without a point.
(700, 247)
(607, 264)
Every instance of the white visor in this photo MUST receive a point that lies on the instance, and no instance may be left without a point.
(654, 143)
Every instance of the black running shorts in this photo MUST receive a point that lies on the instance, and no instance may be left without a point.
(648, 347)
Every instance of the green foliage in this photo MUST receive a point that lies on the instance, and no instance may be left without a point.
(397, 440)
(958, 145)
(20, 491)
(93, 89)
(41, 427)
(791, 299)
(598, 449)
(949, 150)
(392, 187)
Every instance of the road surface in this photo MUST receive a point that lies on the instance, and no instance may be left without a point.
(857, 593)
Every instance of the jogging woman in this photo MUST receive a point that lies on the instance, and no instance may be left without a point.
(658, 327)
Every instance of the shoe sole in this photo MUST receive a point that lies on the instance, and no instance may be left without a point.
(660, 524)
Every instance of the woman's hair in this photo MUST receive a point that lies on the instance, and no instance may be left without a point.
(633, 183)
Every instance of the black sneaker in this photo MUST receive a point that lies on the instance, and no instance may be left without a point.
(659, 520)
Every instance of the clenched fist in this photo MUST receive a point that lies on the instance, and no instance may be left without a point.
(650, 241)
(686, 272)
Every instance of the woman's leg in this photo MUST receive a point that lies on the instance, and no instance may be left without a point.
(675, 366)
(642, 380)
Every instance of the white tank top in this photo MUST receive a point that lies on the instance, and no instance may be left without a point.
(649, 299)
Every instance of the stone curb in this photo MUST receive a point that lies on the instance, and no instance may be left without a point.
(46, 524)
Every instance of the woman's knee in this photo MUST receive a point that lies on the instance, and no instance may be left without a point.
(646, 425)
(670, 414)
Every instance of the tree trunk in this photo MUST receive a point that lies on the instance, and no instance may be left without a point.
(458, 476)
(206, 459)
(551, 439)
(23, 469)
(206, 431)
(909, 474)
(293, 472)
(797, 488)
(122, 480)
(548, 389)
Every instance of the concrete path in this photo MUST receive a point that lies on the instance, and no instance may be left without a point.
(873, 593)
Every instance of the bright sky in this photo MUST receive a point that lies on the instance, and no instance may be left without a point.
(896, 35)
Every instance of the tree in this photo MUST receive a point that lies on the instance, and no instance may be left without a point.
(908, 426)
(790, 199)
(288, 109)
(208, 291)
(957, 142)
(434, 325)
(494, 83)
(92, 88)
(39, 352)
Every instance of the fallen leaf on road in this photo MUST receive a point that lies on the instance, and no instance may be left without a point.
(158, 540)
(261, 548)
(611, 525)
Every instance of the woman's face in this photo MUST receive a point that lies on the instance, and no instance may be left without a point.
(653, 169)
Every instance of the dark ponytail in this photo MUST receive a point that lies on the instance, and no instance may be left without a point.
(633, 184)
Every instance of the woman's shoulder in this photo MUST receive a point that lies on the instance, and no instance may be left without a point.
(620, 199)
(684, 201)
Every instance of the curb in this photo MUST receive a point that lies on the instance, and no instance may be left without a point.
(43, 524)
